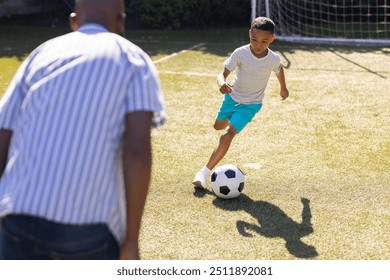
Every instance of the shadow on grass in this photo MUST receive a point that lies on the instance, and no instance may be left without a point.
(19, 41)
(273, 222)
(358, 64)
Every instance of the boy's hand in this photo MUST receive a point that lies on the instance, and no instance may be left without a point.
(226, 88)
(284, 93)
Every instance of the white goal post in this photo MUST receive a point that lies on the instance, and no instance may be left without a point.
(328, 21)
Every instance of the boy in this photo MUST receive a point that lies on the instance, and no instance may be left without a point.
(243, 99)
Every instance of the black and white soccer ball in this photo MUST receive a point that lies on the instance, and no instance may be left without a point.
(227, 181)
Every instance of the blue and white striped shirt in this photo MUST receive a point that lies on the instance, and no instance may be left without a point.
(66, 107)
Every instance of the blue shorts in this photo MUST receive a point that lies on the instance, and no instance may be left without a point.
(238, 114)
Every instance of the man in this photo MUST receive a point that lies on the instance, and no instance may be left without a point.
(75, 149)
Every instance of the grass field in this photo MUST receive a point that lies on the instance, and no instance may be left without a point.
(317, 165)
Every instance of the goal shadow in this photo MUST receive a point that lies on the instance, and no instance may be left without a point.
(273, 223)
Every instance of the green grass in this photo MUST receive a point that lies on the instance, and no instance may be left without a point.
(317, 165)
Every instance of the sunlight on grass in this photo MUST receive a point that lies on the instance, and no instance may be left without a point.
(316, 165)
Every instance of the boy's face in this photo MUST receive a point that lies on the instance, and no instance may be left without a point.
(260, 40)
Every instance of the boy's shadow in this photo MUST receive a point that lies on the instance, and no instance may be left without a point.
(273, 222)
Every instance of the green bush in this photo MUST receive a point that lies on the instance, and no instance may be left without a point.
(176, 14)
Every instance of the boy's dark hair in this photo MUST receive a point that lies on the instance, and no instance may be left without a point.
(263, 23)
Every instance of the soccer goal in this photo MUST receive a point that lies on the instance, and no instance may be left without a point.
(329, 21)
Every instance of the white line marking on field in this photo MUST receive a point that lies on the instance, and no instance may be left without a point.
(188, 73)
(176, 53)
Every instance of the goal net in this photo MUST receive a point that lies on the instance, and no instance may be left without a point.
(332, 21)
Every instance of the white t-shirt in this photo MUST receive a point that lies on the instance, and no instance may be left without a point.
(252, 74)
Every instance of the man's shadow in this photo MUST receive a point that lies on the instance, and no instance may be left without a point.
(273, 222)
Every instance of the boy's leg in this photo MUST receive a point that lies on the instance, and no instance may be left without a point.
(221, 124)
(224, 143)
(231, 114)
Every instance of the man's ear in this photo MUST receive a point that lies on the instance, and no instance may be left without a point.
(120, 24)
(73, 22)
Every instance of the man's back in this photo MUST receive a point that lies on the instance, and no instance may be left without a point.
(71, 104)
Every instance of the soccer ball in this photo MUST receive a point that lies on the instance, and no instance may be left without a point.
(227, 181)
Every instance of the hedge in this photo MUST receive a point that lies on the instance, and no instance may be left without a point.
(176, 14)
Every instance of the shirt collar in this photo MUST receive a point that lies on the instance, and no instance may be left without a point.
(92, 28)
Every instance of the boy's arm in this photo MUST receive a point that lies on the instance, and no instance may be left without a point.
(282, 81)
(224, 87)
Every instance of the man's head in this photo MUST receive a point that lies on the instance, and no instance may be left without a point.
(261, 34)
(109, 13)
